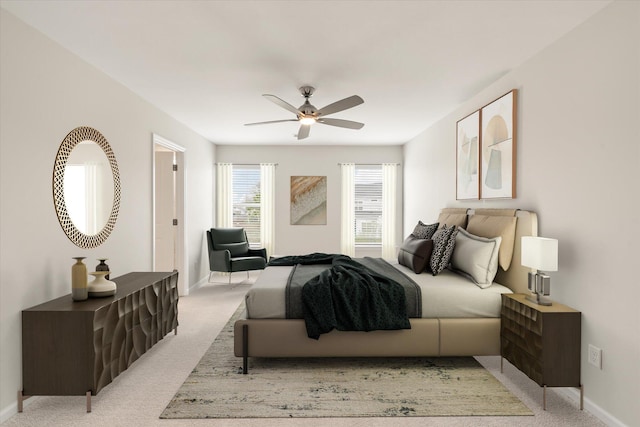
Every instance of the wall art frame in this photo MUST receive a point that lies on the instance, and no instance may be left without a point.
(308, 200)
(468, 157)
(498, 148)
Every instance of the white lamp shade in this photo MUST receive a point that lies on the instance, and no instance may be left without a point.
(540, 253)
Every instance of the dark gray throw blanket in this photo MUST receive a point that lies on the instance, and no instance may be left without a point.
(337, 292)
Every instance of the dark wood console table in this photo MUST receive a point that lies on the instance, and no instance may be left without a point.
(72, 348)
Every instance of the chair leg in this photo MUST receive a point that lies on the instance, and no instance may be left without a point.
(247, 274)
(210, 273)
(229, 277)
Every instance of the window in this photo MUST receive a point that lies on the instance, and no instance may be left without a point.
(246, 201)
(368, 205)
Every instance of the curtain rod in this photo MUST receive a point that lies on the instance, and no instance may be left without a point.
(370, 164)
(247, 164)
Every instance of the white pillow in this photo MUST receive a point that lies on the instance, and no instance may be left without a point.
(476, 257)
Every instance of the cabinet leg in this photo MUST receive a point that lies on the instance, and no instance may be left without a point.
(581, 397)
(544, 398)
(501, 361)
(21, 399)
(89, 401)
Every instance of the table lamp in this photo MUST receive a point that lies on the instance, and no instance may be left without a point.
(539, 253)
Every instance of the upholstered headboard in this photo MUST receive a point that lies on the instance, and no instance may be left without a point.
(526, 224)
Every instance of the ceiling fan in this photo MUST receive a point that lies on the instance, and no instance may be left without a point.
(307, 114)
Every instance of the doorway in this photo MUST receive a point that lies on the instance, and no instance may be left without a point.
(168, 210)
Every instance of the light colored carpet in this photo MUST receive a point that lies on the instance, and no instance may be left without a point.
(333, 387)
(140, 394)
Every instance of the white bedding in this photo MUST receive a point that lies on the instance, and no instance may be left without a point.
(447, 295)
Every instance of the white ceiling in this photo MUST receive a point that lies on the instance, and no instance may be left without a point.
(207, 63)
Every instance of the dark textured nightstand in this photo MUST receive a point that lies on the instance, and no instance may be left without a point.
(542, 341)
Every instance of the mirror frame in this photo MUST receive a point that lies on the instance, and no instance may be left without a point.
(76, 136)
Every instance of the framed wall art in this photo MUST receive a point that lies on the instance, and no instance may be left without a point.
(468, 157)
(498, 148)
(308, 200)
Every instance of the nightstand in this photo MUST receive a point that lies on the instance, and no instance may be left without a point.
(541, 341)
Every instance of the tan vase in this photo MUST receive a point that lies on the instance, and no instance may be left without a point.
(79, 290)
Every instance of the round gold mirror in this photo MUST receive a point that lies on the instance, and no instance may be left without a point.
(86, 187)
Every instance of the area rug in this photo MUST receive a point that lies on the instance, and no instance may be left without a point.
(342, 387)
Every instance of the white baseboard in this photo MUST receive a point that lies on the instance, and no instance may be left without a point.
(574, 395)
(8, 412)
(12, 409)
(203, 281)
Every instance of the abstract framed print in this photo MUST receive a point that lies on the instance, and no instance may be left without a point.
(498, 148)
(468, 157)
(308, 200)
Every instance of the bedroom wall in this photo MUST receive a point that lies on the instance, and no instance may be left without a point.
(46, 92)
(312, 160)
(578, 167)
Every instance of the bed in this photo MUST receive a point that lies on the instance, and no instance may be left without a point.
(452, 323)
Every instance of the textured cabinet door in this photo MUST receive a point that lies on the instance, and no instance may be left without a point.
(75, 347)
(542, 341)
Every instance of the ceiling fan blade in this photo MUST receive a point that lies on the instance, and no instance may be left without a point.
(341, 105)
(341, 123)
(303, 132)
(282, 103)
(272, 121)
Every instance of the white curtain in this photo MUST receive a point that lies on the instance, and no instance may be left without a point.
(347, 234)
(224, 191)
(389, 183)
(267, 206)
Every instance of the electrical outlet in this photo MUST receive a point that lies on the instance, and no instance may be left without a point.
(595, 356)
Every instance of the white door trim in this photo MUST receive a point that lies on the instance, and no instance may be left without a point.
(182, 257)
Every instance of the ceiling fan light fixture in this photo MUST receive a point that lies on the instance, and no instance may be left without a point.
(307, 120)
(307, 114)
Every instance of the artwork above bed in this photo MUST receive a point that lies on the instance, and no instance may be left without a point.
(486, 151)
(468, 157)
(498, 148)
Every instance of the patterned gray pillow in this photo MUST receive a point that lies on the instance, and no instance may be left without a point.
(444, 240)
(423, 231)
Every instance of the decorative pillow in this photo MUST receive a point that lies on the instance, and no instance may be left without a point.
(415, 253)
(492, 226)
(444, 241)
(423, 231)
(476, 257)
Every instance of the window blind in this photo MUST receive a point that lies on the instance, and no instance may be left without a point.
(368, 205)
(246, 201)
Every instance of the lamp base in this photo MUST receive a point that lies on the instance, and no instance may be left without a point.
(537, 299)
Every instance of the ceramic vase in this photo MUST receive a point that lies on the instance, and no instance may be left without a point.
(103, 267)
(79, 290)
(100, 286)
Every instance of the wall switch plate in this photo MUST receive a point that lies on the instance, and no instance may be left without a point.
(595, 356)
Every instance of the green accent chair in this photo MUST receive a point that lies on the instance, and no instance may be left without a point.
(229, 251)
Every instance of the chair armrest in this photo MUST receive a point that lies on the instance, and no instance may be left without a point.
(258, 252)
(220, 260)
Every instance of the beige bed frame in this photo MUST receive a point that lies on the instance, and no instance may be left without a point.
(427, 337)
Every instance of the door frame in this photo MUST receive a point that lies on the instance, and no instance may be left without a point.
(182, 257)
